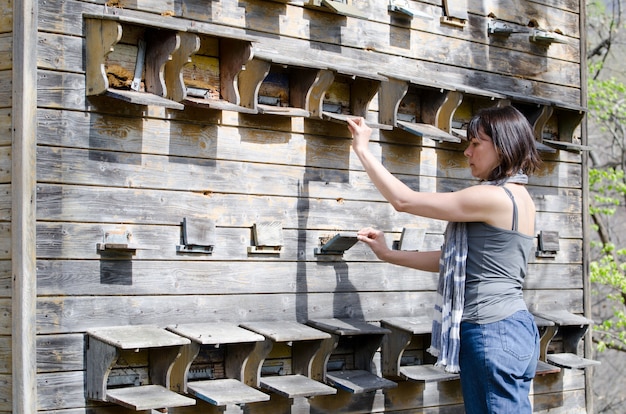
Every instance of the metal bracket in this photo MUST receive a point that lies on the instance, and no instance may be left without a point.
(455, 13)
(269, 100)
(198, 236)
(340, 7)
(267, 238)
(198, 92)
(273, 369)
(495, 27)
(337, 244)
(120, 240)
(331, 108)
(412, 239)
(200, 373)
(139, 65)
(402, 6)
(545, 37)
(453, 21)
(116, 380)
(335, 365)
(547, 244)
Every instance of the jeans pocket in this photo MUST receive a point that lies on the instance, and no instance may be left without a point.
(517, 333)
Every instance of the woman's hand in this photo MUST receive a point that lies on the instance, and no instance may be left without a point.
(361, 134)
(375, 239)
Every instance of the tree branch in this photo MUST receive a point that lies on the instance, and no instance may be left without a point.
(597, 51)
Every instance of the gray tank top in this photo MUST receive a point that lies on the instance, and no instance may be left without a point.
(496, 267)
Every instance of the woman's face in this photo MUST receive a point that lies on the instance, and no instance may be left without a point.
(482, 155)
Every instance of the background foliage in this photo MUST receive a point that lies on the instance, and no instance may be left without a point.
(607, 199)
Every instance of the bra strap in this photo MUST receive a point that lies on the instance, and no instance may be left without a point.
(508, 192)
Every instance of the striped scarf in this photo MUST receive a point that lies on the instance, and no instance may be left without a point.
(448, 311)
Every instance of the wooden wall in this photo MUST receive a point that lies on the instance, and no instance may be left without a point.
(6, 23)
(104, 165)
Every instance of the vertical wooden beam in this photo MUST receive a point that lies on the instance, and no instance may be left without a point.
(588, 344)
(23, 207)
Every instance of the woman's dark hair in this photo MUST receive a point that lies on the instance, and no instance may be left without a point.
(513, 138)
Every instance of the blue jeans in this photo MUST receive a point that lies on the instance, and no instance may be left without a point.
(498, 362)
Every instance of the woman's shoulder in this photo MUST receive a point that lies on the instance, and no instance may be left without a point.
(480, 203)
(483, 190)
(519, 192)
(492, 205)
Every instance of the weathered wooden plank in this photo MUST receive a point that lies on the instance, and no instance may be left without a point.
(65, 18)
(61, 390)
(74, 277)
(571, 299)
(555, 199)
(5, 164)
(6, 385)
(5, 127)
(6, 16)
(298, 150)
(5, 323)
(562, 402)
(59, 52)
(5, 278)
(5, 93)
(5, 241)
(252, 144)
(67, 203)
(77, 314)
(5, 203)
(552, 275)
(567, 225)
(109, 205)
(5, 355)
(57, 353)
(17, 390)
(61, 90)
(188, 278)
(105, 168)
(79, 241)
(6, 51)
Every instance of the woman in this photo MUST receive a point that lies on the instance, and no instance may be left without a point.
(482, 263)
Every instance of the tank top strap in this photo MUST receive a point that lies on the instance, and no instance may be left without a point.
(508, 192)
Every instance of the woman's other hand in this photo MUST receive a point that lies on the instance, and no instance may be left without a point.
(375, 239)
(361, 133)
